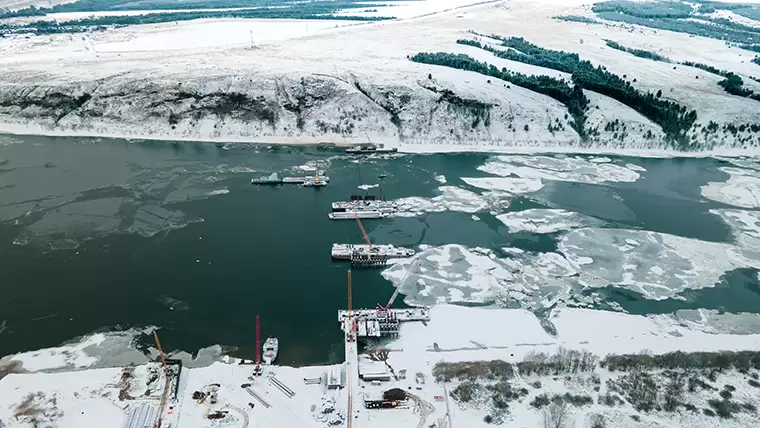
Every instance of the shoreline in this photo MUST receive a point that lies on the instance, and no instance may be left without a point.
(14, 130)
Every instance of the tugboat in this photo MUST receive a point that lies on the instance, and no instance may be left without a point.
(271, 346)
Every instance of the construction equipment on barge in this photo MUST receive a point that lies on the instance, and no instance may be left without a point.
(369, 257)
(344, 251)
(365, 206)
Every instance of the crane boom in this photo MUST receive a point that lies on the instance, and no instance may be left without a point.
(361, 226)
(351, 324)
(400, 285)
(160, 351)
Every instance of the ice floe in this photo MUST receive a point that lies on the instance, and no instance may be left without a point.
(505, 184)
(634, 167)
(545, 220)
(451, 199)
(745, 224)
(574, 169)
(742, 188)
(602, 159)
(95, 350)
(657, 265)
(441, 179)
(452, 273)
(219, 192)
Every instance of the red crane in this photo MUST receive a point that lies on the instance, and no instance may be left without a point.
(257, 370)
(384, 309)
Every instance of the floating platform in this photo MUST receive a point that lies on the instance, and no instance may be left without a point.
(351, 215)
(308, 181)
(382, 323)
(304, 180)
(365, 205)
(345, 251)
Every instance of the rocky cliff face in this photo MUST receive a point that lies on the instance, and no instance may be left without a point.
(308, 108)
(453, 107)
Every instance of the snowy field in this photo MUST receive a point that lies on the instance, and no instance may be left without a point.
(70, 399)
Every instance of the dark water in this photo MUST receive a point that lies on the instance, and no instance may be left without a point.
(114, 234)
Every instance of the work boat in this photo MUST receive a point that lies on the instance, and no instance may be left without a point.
(370, 148)
(271, 346)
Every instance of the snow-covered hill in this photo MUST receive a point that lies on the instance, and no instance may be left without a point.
(333, 82)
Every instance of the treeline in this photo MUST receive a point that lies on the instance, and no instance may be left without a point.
(315, 10)
(733, 84)
(669, 9)
(637, 52)
(723, 360)
(120, 5)
(680, 17)
(673, 118)
(571, 96)
(576, 18)
(563, 361)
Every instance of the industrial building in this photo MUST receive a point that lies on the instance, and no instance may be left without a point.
(373, 370)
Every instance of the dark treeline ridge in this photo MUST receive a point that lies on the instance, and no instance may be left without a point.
(733, 84)
(576, 18)
(571, 96)
(571, 361)
(641, 53)
(672, 16)
(673, 118)
(315, 10)
(723, 360)
(121, 5)
(663, 9)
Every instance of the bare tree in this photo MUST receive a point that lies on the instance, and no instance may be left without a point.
(556, 415)
(597, 421)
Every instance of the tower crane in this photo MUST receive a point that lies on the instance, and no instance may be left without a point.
(384, 309)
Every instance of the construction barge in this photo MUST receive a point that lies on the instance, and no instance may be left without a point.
(308, 181)
(364, 255)
(362, 206)
(382, 322)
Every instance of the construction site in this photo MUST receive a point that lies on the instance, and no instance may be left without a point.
(370, 389)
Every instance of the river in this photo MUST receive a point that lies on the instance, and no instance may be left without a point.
(100, 235)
